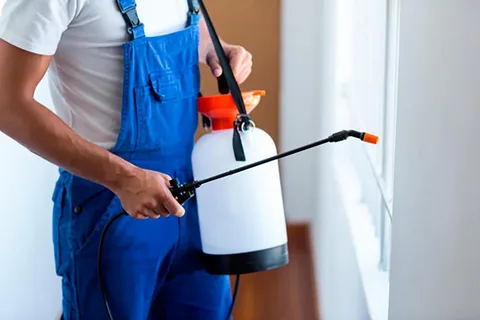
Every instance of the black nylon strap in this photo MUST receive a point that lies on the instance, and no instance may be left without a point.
(223, 85)
(227, 82)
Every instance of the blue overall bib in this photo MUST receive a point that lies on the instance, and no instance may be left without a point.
(152, 268)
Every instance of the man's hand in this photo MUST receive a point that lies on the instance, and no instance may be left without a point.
(146, 194)
(240, 61)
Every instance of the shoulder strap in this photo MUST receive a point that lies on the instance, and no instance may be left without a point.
(227, 83)
(193, 6)
(128, 8)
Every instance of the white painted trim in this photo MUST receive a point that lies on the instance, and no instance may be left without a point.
(367, 246)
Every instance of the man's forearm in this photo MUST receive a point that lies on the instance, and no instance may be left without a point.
(41, 131)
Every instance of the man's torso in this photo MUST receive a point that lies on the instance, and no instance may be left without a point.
(86, 73)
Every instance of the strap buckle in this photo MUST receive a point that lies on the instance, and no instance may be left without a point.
(193, 7)
(131, 18)
(243, 122)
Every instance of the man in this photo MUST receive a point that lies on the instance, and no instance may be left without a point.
(125, 96)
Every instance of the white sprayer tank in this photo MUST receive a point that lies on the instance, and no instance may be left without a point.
(242, 219)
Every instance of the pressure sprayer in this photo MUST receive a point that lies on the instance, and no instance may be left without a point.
(235, 159)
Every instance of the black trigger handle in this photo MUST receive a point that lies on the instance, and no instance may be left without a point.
(181, 192)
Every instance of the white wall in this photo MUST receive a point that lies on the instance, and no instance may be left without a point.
(29, 288)
(299, 98)
(435, 255)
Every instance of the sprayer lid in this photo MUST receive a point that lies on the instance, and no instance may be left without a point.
(221, 109)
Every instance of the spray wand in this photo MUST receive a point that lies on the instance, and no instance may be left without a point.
(183, 192)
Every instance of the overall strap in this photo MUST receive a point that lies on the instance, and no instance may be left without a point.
(193, 12)
(193, 7)
(128, 8)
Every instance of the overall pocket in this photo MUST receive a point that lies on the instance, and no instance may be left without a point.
(167, 109)
(58, 225)
(90, 207)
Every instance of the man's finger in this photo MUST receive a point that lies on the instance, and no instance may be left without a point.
(243, 75)
(150, 214)
(167, 179)
(236, 62)
(166, 176)
(174, 207)
(162, 211)
(139, 216)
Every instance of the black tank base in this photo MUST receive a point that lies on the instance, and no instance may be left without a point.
(249, 262)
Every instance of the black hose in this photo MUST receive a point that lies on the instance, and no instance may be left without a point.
(234, 297)
(99, 261)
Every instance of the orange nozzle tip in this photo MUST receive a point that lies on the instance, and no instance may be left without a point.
(370, 138)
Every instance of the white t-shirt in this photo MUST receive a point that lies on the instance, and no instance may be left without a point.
(85, 37)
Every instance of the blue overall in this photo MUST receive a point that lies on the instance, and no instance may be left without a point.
(152, 268)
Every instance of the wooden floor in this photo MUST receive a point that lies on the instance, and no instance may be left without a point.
(284, 294)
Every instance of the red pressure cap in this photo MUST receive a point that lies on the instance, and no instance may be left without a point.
(222, 111)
